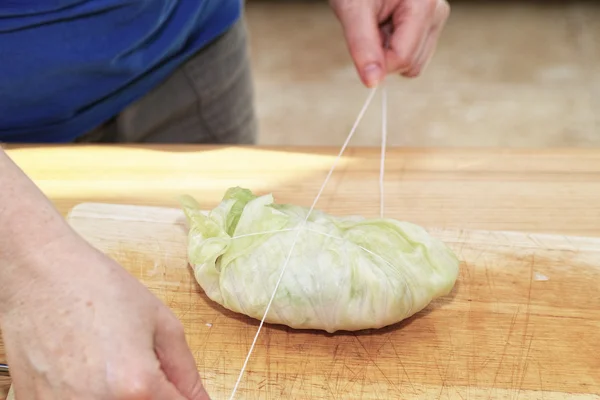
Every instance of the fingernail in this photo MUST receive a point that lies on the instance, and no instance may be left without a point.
(372, 74)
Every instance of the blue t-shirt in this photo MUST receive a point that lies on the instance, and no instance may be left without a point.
(67, 66)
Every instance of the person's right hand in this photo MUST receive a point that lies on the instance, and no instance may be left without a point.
(413, 27)
(82, 328)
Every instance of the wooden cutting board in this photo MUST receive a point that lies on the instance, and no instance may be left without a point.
(522, 323)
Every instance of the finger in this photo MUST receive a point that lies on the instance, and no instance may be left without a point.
(432, 40)
(177, 360)
(361, 30)
(423, 58)
(412, 24)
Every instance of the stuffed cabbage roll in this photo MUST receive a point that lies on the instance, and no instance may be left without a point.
(345, 273)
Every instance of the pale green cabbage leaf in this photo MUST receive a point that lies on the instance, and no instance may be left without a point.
(345, 273)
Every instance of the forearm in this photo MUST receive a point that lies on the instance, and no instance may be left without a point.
(28, 224)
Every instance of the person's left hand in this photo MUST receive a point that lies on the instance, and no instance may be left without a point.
(411, 27)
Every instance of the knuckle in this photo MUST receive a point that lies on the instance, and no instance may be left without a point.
(175, 328)
(431, 6)
(404, 64)
(413, 73)
(345, 6)
(170, 324)
(137, 386)
(444, 9)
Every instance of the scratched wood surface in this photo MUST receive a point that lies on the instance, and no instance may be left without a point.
(552, 191)
(523, 321)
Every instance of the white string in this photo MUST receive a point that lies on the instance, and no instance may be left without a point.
(386, 45)
(287, 260)
(383, 147)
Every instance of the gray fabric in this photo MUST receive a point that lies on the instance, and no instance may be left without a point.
(209, 100)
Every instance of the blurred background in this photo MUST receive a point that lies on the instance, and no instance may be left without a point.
(506, 73)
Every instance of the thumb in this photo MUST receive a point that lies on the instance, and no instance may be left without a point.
(177, 361)
(361, 30)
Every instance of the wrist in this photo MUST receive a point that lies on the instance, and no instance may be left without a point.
(29, 265)
(29, 227)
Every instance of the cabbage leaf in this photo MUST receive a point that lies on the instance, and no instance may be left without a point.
(345, 273)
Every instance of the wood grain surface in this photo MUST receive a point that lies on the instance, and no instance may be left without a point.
(523, 321)
(543, 191)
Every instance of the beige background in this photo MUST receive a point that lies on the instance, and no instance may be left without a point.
(516, 73)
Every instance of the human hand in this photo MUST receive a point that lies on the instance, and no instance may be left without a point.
(413, 26)
(81, 327)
